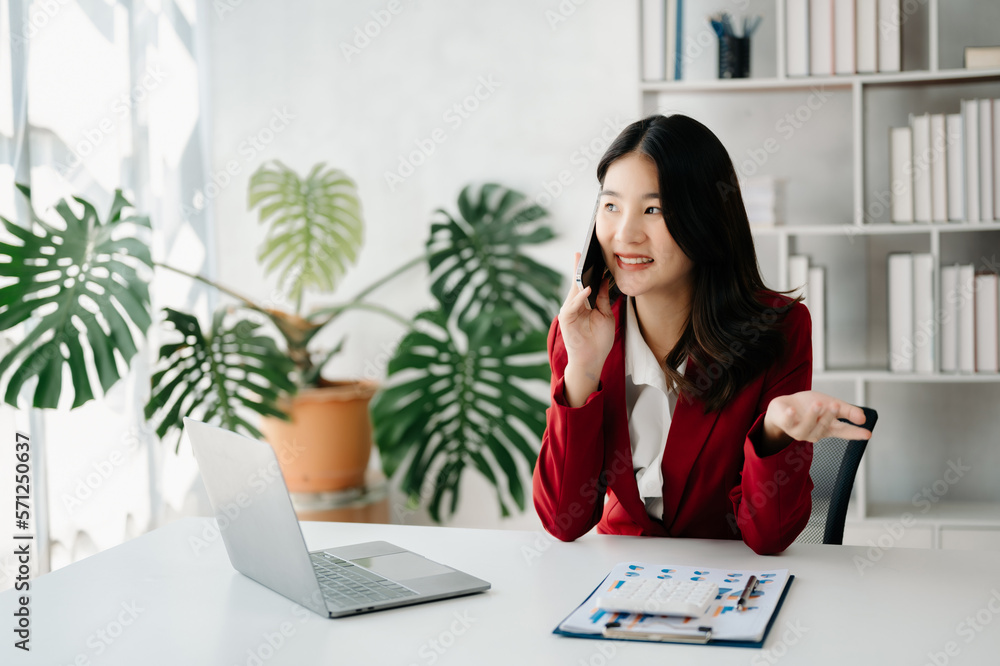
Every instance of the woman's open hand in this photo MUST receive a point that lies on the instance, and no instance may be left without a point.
(809, 416)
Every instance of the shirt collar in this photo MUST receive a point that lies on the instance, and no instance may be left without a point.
(641, 366)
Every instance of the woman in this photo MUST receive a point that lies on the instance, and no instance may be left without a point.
(687, 400)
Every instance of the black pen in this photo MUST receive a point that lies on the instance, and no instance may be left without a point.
(747, 591)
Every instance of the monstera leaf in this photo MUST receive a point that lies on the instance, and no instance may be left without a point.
(80, 286)
(454, 400)
(476, 261)
(214, 376)
(316, 226)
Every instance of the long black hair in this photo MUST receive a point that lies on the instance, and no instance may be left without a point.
(733, 332)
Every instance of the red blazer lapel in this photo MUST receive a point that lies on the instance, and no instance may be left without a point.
(690, 428)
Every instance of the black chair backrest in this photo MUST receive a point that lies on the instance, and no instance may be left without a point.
(834, 466)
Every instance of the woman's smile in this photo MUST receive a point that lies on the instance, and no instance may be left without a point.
(633, 262)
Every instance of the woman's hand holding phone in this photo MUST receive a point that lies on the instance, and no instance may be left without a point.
(588, 335)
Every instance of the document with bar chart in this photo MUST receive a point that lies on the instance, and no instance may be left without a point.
(722, 622)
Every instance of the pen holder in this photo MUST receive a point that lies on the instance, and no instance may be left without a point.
(734, 57)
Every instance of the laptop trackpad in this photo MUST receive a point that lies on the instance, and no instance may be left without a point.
(402, 566)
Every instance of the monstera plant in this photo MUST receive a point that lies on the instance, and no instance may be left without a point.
(79, 286)
(315, 232)
(462, 385)
(459, 395)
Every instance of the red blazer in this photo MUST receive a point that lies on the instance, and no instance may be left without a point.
(715, 485)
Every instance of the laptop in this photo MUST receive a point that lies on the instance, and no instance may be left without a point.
(265, 543)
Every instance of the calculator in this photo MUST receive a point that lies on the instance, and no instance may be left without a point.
(649, 596)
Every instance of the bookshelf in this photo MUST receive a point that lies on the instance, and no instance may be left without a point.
(832, 137)
(806, 82)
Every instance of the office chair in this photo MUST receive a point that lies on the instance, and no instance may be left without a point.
(834, 465)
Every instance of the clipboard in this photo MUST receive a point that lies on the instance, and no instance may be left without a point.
(704, 633)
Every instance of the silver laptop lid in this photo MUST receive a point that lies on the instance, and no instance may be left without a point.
(255, 513)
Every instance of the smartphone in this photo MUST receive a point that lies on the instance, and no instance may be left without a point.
(591, 270)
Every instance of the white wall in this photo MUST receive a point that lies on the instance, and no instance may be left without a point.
(565, 79)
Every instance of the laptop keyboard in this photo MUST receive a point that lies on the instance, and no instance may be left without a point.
(346, 585)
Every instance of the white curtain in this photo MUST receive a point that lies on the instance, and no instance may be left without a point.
(106, 95)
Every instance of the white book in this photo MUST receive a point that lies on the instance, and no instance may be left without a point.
(923, 313)
(986, 159)
(797, 37)
(966, 311)
(955, 126)
(817, 309)
(901, 312)
(867, 36)
(889, 42)
(670, 40)
(996, 159)
(844, 51)
(970, 126)
(653, 40)
(982, 57)
(821, 37)
(921, 128)
(986, 322)
(901, 176)
(798, 277)
(939, 168)
(949, 318)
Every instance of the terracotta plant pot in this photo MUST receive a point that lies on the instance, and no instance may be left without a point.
(327, 444)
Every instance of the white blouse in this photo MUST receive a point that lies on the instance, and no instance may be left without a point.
(650, 406)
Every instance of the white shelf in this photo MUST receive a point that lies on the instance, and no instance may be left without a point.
(906, 378)
(807, 82)
(943, 512)
(871, 229)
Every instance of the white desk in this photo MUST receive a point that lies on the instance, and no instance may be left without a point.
(185, 607)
